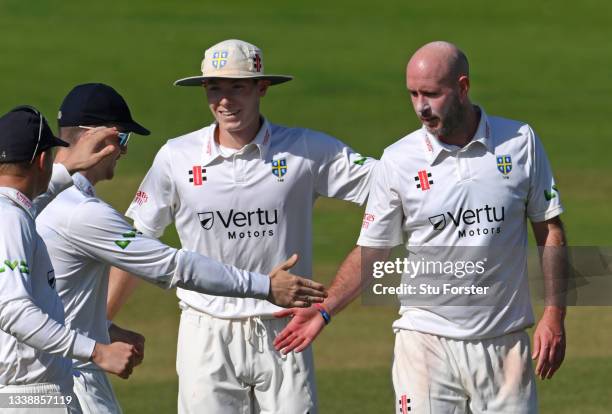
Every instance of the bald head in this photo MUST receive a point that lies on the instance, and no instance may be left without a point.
(439, 61)
(438, 82)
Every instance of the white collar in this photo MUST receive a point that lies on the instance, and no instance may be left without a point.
(261, 141)
(83, 184)
(482, 136)
(20, 199)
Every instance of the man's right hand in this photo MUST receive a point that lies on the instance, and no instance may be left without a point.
(89, 150)
(117, 358)
(290, 291)
(305, 325)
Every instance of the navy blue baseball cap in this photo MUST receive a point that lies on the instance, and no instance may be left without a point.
(24, 133)
(96, 104)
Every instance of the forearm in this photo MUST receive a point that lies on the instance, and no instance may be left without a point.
(121, 285)
(351, 278)
(552, 243)
(26, 322)
(202, 274)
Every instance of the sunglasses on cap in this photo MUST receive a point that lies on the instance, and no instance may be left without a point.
(124, 137)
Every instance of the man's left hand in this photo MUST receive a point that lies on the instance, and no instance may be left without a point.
(549, 343)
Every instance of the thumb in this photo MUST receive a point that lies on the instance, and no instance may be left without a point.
(536, 346)
(290, 262)
(283, 313)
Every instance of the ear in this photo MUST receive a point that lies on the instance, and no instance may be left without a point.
(464, 86)
(43, 160)
(262, 87)
(40, 160)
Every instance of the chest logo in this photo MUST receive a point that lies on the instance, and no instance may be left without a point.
(279, 168)
(206, 219)
(423, 180)
(438, 222)
(504, 164)
(197, 175)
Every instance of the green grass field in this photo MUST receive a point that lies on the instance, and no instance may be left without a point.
(544, 62)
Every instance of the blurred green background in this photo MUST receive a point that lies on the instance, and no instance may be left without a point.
(544, 62)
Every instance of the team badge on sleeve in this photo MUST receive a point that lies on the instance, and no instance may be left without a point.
(141, 197)
(367, 219)
(549, 195)
(129, 235)
(279, 168)
(197, 175)
(504, 164)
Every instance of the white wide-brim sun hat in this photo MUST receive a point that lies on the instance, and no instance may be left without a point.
(232, 59)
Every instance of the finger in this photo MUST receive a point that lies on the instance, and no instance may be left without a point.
(551, 372)
(286, 341)
(542, 360)
(290, 262)
(298, 303)
(311, 284)
(106, 151)
(536, 347)
(283, 313)
(311, 292)
(282, 335)
(297, 341)
(303, 345)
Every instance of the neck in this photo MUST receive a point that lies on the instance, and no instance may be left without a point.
(466, 128)
(24, 184)
(238, 139)
(91, 176)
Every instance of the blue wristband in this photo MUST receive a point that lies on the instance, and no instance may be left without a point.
(326, 316)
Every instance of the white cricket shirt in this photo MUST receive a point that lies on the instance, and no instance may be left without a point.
(85, 236)
(253, 208)
(34, 342)
(425, 193)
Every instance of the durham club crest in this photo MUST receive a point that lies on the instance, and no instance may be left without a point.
(504, 164)
(279, 168)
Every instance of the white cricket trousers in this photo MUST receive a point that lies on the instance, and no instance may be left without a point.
(45, 390)
(95, 392)
(230, 366)
(438, 375)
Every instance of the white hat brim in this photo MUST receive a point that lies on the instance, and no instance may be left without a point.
(198, 80)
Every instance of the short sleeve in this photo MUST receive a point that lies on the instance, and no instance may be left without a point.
(339, 171)
(153, 206)
(544, 200)
(382, 222)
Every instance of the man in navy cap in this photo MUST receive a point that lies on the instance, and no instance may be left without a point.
(35, 345)
(86, 236)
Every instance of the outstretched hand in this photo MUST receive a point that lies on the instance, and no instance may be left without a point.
(287, 290)
(301, 331)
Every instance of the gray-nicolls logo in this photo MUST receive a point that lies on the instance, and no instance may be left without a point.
(206, 219)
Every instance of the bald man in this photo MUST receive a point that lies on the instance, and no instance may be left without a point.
(466, 180)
